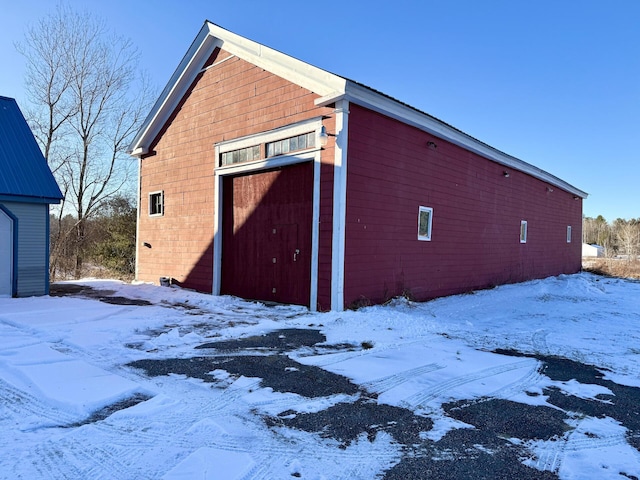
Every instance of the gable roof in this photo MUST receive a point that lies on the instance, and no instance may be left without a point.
(24, 173)
(328, 86)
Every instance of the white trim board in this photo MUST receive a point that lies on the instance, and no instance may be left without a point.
(339, 205)
(313, 154)
(211, 36)
(330, 87)
(392, 108)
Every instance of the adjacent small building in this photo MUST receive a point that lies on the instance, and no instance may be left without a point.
(27, 188)
(592, 251)
(265, 177)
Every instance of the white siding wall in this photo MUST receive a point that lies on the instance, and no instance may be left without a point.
(33, 263)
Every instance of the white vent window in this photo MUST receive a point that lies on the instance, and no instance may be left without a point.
(523, 231)
(241, 155)
(291, 144)
(425, 220)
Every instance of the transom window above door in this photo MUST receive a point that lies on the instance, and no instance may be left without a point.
(296, 139)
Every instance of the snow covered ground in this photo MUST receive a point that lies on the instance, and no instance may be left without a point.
(76, 402)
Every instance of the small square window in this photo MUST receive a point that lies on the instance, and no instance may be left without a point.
(156, 203)
(568, 233)
(523, 231)
(425, 218)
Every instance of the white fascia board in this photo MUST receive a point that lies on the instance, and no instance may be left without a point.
(139, 152)
(377, 102)
(190, 66)
(296, 71)
(211, 36)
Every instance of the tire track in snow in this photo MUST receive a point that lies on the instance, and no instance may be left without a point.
(533, 377)
(338, 464)
(333, 358)
(80, 454)
(539, 342)
(427, 395)
(385, 384)
(550, 454)
(21, 404)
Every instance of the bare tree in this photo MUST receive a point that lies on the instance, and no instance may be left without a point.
(628, 236)
(88, 100)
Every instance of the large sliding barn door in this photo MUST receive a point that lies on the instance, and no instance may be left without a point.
(266, 228)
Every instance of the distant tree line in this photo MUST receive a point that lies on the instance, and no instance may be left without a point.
(109, 243)
(621, 237)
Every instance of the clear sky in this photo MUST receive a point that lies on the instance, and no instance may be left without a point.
(555, 83)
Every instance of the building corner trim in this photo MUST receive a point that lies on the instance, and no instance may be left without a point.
(339, 205)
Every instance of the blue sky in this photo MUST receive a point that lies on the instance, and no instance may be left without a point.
(554, 83)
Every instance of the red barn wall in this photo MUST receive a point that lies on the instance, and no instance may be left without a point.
(227, 101)
(476, 217)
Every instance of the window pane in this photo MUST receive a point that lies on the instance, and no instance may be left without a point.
(425, 215)
(155, 203)
(294, 143)
(424, 224)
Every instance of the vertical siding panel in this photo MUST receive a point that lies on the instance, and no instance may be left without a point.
(32, 247)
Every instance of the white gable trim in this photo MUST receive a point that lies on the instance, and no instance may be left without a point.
(211, 36)
(301, 73)
(392, 108)
(328, 86)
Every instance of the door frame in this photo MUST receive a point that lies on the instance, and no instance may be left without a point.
(312, 154)
(13, 264)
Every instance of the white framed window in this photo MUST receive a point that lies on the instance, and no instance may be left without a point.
(269, 149)
(523, 231)
(156, 204)
(247, 154)
(291, 144)
(425, 220)
(568, 233)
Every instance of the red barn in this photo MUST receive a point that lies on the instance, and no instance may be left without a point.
(265, 177)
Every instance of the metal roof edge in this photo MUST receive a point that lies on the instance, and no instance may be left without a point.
(28, 199)
(389, 106)
(327, 85)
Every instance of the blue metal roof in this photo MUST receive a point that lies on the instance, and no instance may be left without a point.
(24, 173)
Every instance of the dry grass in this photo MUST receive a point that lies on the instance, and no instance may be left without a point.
(92, 271)
(613, 267)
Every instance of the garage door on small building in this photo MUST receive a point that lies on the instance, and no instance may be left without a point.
(266, 228)
(6, 254)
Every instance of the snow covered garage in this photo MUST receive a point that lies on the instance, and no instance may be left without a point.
(265, 177)
(27, 188)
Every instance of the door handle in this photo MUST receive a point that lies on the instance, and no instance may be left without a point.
(295, 255)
